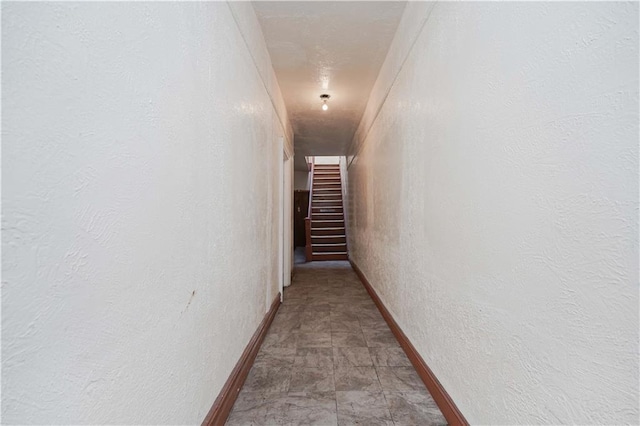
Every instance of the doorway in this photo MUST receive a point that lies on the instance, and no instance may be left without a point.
(300, 211)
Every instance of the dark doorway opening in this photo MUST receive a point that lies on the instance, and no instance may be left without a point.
(300, 210)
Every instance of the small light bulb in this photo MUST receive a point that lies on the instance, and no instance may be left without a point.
(324, 98)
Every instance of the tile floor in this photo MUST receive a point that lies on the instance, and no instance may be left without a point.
(329, 358)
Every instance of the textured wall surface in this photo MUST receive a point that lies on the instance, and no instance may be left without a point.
(494, 205)
(301, 180)
(141, 146)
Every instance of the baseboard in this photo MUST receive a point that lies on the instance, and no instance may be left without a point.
(224, 402)
(440, 396)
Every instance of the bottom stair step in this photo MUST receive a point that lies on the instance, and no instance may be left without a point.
(328, 247)
(330, 256)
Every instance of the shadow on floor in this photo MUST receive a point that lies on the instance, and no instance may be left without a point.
(299, 256)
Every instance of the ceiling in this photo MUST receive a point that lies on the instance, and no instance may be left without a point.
(328, 47)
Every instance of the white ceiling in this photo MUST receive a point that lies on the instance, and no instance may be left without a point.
(329, 47)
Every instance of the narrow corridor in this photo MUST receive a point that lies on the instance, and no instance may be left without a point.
(167, 165)
(330, 358)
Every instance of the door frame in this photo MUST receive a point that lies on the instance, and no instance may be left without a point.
(285, 243)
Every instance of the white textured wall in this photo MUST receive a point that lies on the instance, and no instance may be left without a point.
(326, 159)
(140, 233)
(494, 205)
(301, 180)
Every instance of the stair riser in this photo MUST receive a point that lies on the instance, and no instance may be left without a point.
(321, 196)
(329, 240)
(331, 256)
(322, 203)
(327, 210)
(321, 249)
(326, 201)
(327, 224)
(324, 232)
(324, 206)
(327, 216)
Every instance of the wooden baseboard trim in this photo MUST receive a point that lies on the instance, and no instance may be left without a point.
(227, 397)
(441, 397)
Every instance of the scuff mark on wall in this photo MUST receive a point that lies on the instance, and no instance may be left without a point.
(193, 293)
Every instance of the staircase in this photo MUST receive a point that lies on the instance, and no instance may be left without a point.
(326, 239)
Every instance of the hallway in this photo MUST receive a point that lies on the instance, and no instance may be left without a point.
(330, 358)
(475, 162)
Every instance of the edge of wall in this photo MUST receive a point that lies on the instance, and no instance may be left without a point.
(249, 27)
(227, 397)
(441, 397)
(414, 18)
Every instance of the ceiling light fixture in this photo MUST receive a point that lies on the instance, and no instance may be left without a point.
(325, 98)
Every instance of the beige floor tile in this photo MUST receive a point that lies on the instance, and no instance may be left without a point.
(414, 408)
(389, 357)
(349, 356)
(351, 378)
(400, 379)
(348, 339)
(362, 408)
(311, 380)
(314, 358)
(314, 340)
